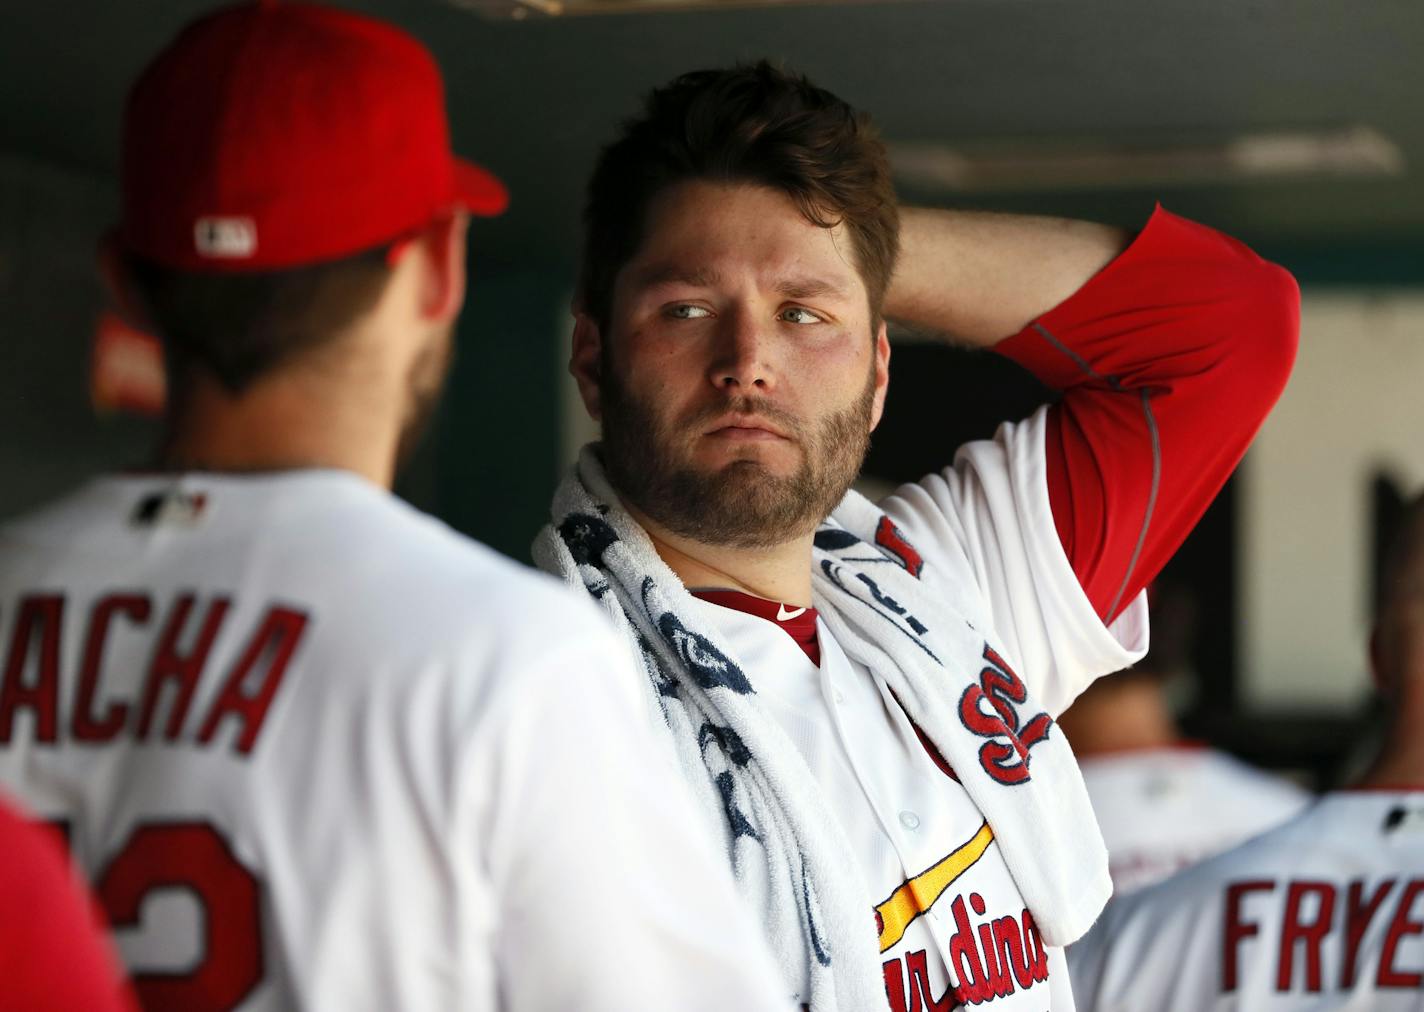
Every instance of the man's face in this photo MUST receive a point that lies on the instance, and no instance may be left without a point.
(740, 374)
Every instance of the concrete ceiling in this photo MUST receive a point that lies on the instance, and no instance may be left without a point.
(534, 99)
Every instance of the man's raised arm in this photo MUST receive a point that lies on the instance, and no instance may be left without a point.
(1170, 351)
(976, 277)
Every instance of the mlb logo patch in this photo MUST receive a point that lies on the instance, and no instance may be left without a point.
(225, 238)
(175, 507)
(1405, 820)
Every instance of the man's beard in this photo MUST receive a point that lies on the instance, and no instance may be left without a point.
(424, 385)
(741, 504)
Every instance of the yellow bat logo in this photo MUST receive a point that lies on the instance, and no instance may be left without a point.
(918, 894)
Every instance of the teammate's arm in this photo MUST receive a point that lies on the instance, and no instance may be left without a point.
(1170, 352)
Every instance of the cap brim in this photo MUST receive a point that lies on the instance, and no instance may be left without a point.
(479, 190)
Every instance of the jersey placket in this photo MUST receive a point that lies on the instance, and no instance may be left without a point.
(905, 822)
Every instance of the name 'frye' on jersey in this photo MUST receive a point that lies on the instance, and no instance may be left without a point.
(182, 631)
(1322, 926)
(1324, 913)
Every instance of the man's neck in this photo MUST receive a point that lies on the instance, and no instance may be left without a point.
(283, 423)
(1401, 761)
(778, 573)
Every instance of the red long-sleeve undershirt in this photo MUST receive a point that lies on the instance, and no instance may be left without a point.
(1169, 360)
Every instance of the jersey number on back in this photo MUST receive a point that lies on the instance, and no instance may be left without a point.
(194, 857)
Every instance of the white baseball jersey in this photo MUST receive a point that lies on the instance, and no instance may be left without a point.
(953, 926)
(318, 751)
(1323, 912)
(1163, 809)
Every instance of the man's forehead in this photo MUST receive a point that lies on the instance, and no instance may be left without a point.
(795, 280)
(699, 221)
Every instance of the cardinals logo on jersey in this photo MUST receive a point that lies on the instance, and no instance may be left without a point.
(1005, 756)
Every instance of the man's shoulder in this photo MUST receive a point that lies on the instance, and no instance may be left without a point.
(350, 552)
(1244, 784)
(405, 567)
(1294, 845)
(1191, 775)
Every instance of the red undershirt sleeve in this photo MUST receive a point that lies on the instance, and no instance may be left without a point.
(1169, 360)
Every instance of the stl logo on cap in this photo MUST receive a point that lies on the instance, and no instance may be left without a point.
(225, 238)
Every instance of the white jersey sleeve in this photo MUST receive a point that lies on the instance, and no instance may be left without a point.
(987, 519)
(610, 895)
(1325, 912)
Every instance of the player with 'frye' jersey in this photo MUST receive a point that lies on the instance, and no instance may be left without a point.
(314, 749)
(1325, 912)
(863, 696)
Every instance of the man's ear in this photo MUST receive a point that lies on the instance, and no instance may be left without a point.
(113, 269)
(586, 362)
(441, 245)
(882, 373)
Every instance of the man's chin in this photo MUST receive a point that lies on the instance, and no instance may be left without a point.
(750, 487)
(748, 464)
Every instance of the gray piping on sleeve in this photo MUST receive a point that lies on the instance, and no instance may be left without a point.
(1116, 384)
(1078, 360)
(1151, 503)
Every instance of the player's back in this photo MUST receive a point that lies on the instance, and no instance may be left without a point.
(271, 713)
(1325, 912)
(1164, 809)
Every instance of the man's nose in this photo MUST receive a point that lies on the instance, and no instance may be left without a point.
(742, 362)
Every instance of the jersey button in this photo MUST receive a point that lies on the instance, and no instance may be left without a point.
(909, 820)
(838, 696)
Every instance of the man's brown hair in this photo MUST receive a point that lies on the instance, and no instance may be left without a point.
(241, 327)
(749, 124)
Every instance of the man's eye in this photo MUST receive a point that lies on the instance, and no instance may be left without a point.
(687, 311)
(795, 314)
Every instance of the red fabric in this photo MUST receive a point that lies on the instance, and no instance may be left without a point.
(269, 136)
(801, 627)
(54, 956)
(1208, 330)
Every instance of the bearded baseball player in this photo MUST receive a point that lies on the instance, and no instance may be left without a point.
(1323, 912)
(315, 749)
(863, 697)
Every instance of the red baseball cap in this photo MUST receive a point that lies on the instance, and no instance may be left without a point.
(273, 135)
